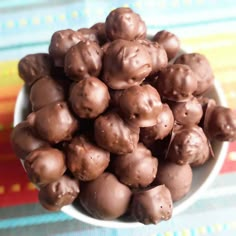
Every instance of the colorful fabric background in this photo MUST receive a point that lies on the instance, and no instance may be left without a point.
(205, 26)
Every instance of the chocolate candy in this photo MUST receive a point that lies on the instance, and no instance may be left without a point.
(201, 66)
(177, 83)
(61, 42)
(141, 105)
(115, 97)
(100, 32)
(89, 98)
(83, 60)
(45, 165)
(89, 34)
(123, 23)
(177, 178)
(169, 41)
(44, 91)
(85, 160)
(105, 197)
(152, 205)
(60, 193)
(54, 122)
(24, 140)
(113, 134)
(34, 66)
(165, 122)
(136, 169)
(125, 64)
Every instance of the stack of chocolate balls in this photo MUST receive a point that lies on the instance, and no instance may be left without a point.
(115, 127)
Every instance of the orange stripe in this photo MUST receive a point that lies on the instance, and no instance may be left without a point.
(6, 119)
(9, 91)
(6, 107)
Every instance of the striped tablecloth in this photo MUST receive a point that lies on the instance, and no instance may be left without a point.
(205, 26)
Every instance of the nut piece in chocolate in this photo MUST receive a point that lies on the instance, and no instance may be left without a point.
(105, 197)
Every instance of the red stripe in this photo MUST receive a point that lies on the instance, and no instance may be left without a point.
(8, 98)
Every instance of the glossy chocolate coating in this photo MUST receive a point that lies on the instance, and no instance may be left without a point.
(44, 91)
(54, 122)
(136, 169)
(105, 197)
(125, 64)
(89, 34)
(153, 205)
(100, 32)
(113, 134)
(45, 165)
(165, 122)
(189, 145)
(123, 23)
(169, 41)
(141, 105)
(61, 42)
(83, 60)
(201, 66)
(33, 66)
(177, 178)
(60, 193)
(85, 160)
(24, 140)
(177, 83)
(89, 98)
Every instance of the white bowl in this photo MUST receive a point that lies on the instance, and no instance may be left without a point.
(203, 176)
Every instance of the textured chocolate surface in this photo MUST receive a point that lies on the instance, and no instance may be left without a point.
(153, 205)
(89, 34)
(100, 32)
(89, 97)
(105, 197)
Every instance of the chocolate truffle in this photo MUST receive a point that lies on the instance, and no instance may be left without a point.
(115, 97)
(44, 91)
(24, 140)
(177, 178)
(141, 105)
(60, 193)
(125, 64)
(123, 23)
(89, 34)
(89, 98)
(105, 197)
(61, 42)
(201, 67)
(113, 134)
(176, 83)
(34, 66)
(152, 205)
(100, 32)
(45, 165)
(165, 122)
(169, 41)
(54, 122)
(85, 160)
(136, 169)
(83, 60)
(189, 145)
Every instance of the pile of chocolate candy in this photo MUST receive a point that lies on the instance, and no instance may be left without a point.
(115, 126)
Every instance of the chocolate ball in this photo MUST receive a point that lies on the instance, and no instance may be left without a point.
(45, 165)
(125, 64)
(100, 32)
(83, 60)
(152, 205)
(165, 122)
(60, 193)
(44, 91)
(61, 42)
(54, 122)
(169, 41)
(136, 169)
(85, 160)
(177, 178)
(201, 67)
(141, 105)
(123, 23)
(189, 145)
(33, 66)
(89, 34)
(24, 140)
(89, 98)
(105, 197)
(113, 134)
(176, 83)
(115, 97)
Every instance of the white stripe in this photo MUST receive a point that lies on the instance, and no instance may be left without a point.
(218, 192)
